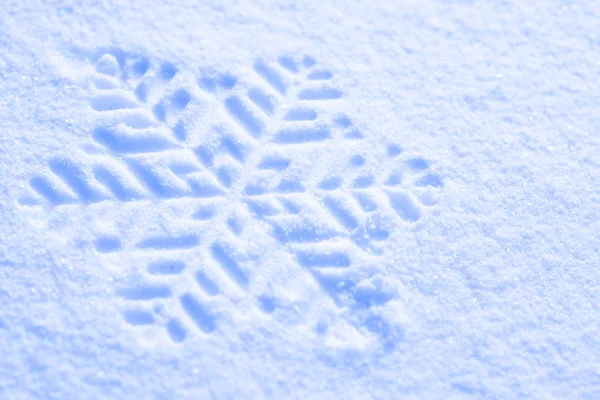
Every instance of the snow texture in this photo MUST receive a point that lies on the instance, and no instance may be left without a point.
(299, 199)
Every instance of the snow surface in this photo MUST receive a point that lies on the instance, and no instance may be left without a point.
(299, 199)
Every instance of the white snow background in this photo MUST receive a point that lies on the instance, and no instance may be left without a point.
(299, 199)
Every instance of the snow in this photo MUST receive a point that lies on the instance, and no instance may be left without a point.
(310, 199)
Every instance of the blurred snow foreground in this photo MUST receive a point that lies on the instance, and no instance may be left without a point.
(276, 200)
